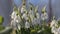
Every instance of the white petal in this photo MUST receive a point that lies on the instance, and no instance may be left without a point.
(13, 15)
(27, 25)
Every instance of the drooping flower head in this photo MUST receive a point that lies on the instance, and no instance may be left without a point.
(44, 14)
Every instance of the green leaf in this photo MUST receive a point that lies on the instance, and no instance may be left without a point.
(1, 19)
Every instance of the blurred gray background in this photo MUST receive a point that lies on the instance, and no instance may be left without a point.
(6, 7)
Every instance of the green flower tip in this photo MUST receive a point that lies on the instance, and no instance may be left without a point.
(36, 9)
(44, 9)
(15, 8)
(1, 19)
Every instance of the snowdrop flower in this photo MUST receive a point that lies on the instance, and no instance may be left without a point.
(25, 16)
(38, 16)
(44, 16)
(53, 23)
(13, 15)
(31, 14)
(23, 9)
(18, 19)
(32, 17)
(34, 22)
(54, 30)
(27, 25)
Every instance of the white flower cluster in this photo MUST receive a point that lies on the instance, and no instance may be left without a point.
(26, 17)
(54, 27)
(30, 14)
(15, 19)
(35, 17)
(44, 14)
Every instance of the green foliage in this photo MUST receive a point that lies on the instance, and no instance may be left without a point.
(35, 29)
(1, 19)
(1, 27)
(59, 23)
(47, 30)
(4, 30)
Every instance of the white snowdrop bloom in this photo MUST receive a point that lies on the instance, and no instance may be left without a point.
(25, 16)
(32, 17)
(27, 25)
(13, 15)
(22, 9)
(31, 14)
(44, 16)
(54, 30)
(54, 23)
(34, 22)
(54, 27)
(38, 16)
(18, 19)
